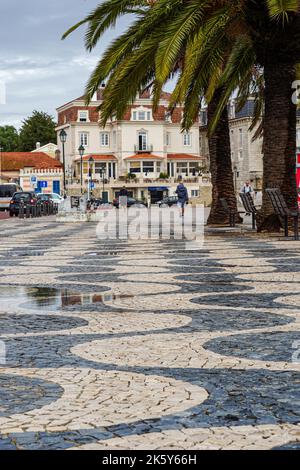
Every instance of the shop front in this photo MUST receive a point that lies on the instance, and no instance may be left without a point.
(157, 193)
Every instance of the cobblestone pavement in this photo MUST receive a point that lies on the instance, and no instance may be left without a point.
(144, 345)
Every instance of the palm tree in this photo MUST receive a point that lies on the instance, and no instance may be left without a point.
(141, 72)
(225, 39)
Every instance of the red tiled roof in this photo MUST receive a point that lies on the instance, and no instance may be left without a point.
(183, 156)
(144, 156)
(147, 95)
(99, 96)
(15, 161)
(99, 158)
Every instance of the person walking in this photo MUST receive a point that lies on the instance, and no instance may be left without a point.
(183, 197)
(123, 198)
(247, 188)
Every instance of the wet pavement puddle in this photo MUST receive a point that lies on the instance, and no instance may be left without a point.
(37, 298)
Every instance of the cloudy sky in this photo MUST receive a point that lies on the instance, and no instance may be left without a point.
(39, 70)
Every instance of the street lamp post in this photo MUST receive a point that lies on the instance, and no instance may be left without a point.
(102, 176)
(235, 179)
(63, 139)
(91, 161)
(81, 153)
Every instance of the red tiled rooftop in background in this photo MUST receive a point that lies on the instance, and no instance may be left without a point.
(15, 161)
(144, 156)
(147, 95)
(183, 156)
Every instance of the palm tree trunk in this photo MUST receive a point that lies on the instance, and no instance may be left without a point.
(220, 165)
(279, 147)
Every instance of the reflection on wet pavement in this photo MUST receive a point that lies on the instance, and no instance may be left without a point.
(37, 297)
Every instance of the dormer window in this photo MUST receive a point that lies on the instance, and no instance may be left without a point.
(141, 115)
(168, 116)
(83, 116)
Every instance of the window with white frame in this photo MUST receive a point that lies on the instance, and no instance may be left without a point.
(135, 167)
(182, 168)
(100, 168)
(143, 141)
(83, 116)
(194, 168)
(148, 167)
(104, 139)
(187, 139)
(141, 115)
(84, 139)
(195, 192)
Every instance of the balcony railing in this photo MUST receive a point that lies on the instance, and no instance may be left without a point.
(143, 148)
(204, 179)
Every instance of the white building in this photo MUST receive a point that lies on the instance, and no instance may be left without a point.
(146, 144)
(50, 149)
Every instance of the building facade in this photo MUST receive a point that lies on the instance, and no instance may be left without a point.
(246, 153)
(50, 149)
(146, 151)
(33, 171)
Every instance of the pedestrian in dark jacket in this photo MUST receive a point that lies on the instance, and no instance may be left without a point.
(123, 198)
(183, 197)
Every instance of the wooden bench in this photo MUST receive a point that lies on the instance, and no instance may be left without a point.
(249, 207)
(281, 209)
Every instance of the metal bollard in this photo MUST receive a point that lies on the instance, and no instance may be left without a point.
(21, 209)
(27, 211)
(38, 209)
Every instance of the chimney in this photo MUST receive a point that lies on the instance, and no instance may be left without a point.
(38, 145)
(57, 155)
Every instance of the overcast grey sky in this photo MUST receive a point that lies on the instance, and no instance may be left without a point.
(41, 71)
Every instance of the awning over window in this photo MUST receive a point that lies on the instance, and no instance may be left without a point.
(158, 188)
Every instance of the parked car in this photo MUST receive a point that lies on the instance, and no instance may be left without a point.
(130, 202)
(168, 201)
(45, 200)
(56, 198)
(28, 197)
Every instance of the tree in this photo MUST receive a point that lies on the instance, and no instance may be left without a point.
(40, 127)
(9, 139)
(135, 55)
(225, 40)
(220, 164)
